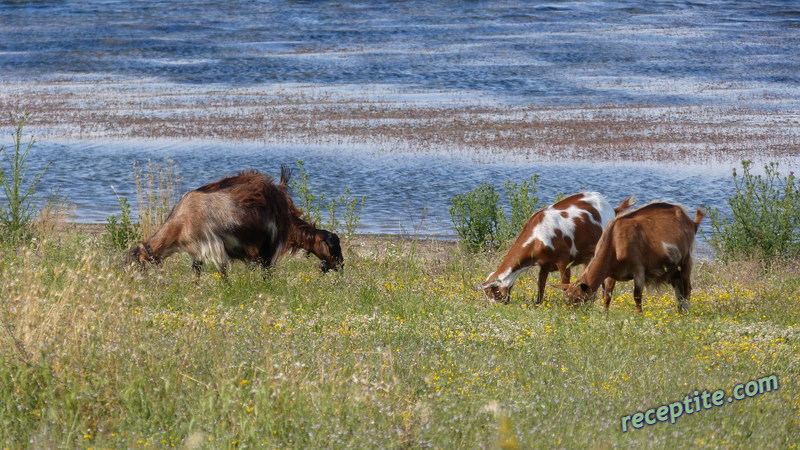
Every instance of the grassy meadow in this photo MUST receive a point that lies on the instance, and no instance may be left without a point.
(398, 350)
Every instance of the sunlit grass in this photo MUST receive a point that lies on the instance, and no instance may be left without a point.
(398, 350)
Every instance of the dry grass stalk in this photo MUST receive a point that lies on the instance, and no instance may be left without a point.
(157, 188)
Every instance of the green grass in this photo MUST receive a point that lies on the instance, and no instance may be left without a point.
(399, 350)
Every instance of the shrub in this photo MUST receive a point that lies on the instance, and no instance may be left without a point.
(122, 232)
(18, 189)
(482, 224)
(765, 216)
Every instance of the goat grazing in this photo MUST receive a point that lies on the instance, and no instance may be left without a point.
(554, 238)
(322, 243)
(246, 217)
(652, 244)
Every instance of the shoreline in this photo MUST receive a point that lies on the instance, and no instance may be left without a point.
(367, 243)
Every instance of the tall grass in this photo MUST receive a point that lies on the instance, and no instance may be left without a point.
(397, 351)
(157, 191)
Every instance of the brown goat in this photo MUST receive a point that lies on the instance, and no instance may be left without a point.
(554, 238)
(652, 244)
(245, 217)
(322, 243)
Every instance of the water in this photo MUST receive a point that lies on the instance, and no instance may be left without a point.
(406, 195)
(558, 53)
(547, 53)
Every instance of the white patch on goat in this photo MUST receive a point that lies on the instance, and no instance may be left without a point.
(210, 248)
(272, 229)
(278, 252)
(672, 252)
(599, 203)
(505, 278)
(554, 220)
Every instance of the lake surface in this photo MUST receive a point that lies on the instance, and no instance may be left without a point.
(558, 53)
(548, 53)
(405, 194)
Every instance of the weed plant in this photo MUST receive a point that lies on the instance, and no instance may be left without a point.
(483, 224)
(307, 200)
(350, 214)
(765, 216)
(19, 188)
(344, 212)
(122, 231)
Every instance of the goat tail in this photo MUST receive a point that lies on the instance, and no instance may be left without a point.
(699, 215)
(286, 174)
(627, 203)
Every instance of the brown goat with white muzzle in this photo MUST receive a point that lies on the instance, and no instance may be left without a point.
(652, 244)
(246, 217)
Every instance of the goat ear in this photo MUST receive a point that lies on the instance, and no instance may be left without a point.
(584, 287)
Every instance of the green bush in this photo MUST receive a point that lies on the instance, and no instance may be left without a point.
(19, 190)
(480, 221)
(122, 232)
(522, 202)
(765, 216)
(475, 216)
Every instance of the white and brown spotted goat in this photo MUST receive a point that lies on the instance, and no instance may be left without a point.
(554, 238)
(243, 217)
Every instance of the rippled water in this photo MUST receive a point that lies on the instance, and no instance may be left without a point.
(558, 52)
(405, 194)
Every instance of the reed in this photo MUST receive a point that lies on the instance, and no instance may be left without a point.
(157, 191)
(313, 116)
